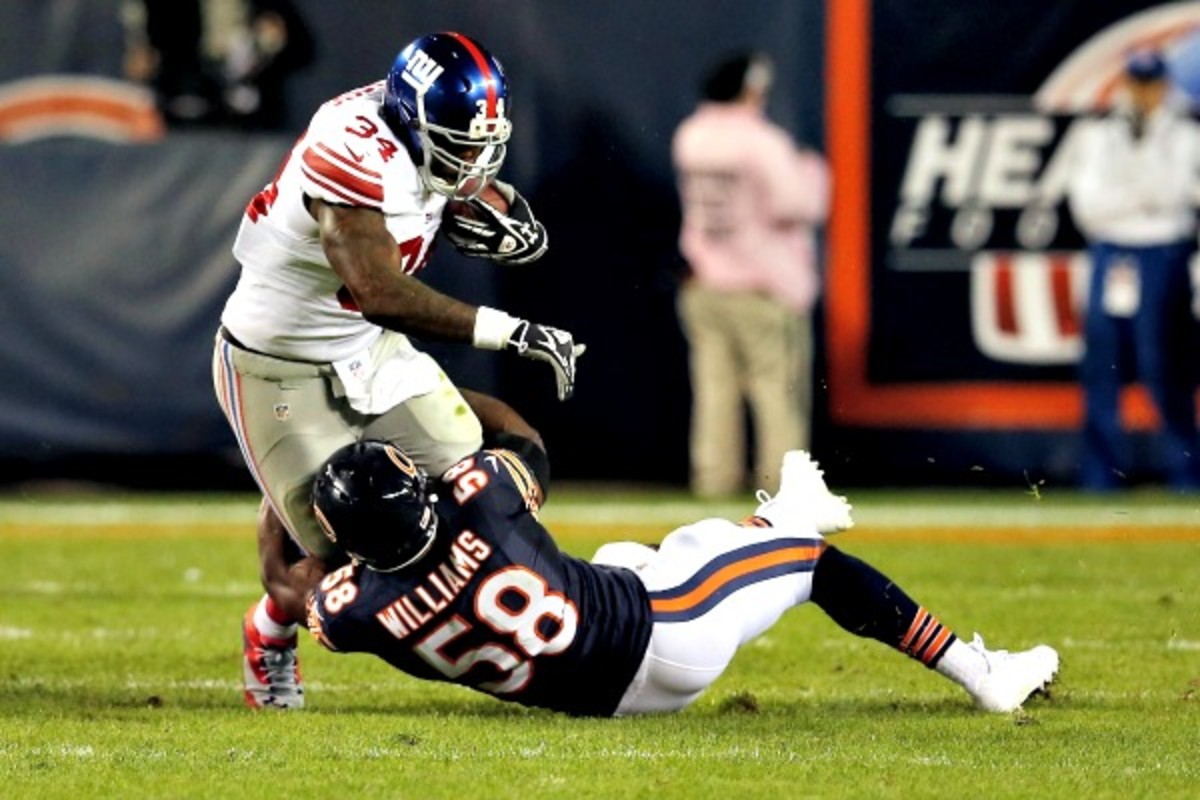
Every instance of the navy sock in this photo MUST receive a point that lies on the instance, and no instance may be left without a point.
(867, 603)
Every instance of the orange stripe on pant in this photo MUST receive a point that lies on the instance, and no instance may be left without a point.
(731, 573)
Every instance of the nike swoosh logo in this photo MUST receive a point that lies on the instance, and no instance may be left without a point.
(354, 155)
(554, 338)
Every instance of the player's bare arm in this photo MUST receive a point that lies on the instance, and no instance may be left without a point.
(507, 429)
(498, 417)
(364, 255)
(288, 584)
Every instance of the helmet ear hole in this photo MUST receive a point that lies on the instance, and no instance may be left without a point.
(374, 502)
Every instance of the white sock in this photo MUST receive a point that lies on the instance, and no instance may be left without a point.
(963, 664)
(269, 627)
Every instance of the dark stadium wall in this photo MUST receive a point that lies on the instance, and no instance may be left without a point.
(598, 89)
(115, 258)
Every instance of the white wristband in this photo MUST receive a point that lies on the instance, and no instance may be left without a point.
(493, 328)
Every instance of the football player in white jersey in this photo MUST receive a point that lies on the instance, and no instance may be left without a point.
(312, 352)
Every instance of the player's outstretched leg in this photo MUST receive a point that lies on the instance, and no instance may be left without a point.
(866, 603)
(270, 666)
(803, 498)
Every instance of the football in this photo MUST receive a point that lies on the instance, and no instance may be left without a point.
(489, 195)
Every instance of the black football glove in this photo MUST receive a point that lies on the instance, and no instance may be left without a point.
(484, 231)
(552, 345)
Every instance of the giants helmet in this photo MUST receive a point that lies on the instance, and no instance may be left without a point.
(447, 100)
(374, 503)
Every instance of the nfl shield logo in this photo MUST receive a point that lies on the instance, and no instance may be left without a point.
(282, 411)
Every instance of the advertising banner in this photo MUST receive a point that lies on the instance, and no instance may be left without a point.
(957, 276)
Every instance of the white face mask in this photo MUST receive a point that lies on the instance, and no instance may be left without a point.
(460, 164)
(460, 177)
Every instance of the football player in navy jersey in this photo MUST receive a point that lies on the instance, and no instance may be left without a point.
(458, 581)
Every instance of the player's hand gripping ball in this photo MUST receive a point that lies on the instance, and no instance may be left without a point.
(466, 208)
(497, 224)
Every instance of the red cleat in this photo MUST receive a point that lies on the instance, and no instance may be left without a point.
(270, 668)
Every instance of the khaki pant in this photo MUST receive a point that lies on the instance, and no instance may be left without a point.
(745, 348)
(289, 416)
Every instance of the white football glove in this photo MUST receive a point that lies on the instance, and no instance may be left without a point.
(481, 230)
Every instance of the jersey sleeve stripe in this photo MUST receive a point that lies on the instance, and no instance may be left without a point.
(340, 192)
(731, 571)
(526, 484)
(318, 167)
(350, 164)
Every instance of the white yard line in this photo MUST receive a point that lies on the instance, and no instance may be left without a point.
(886, 515)
(912, 514)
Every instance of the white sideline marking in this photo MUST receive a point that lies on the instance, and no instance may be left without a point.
(55, 587)
(69, 750)
(223, 685)
(669, 513)
(1182, 644)
(887, 515)
(193, 588)
(122, 513)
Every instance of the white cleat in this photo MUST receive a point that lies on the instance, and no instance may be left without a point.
(1012, 677)
(803, 497)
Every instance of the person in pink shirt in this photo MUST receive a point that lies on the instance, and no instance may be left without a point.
(752, 201)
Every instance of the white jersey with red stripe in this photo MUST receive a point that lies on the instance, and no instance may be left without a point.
(288, 301)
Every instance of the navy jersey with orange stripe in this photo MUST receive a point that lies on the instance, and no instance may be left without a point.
(495, 604)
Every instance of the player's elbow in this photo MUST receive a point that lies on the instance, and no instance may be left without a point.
(371, 299)
(372, 310)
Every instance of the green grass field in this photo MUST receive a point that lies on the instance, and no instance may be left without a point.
(120, 667)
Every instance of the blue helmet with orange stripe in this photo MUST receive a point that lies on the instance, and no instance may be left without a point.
(447, 100)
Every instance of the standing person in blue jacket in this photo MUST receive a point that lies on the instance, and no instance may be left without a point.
(1132, 197)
